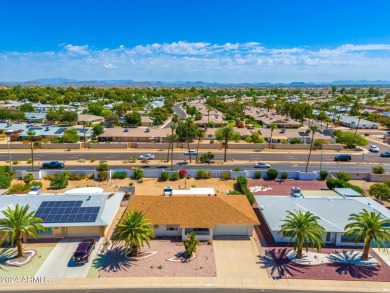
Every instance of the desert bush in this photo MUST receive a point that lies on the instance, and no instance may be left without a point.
(59, 181)
(206, 158)
(380, 191)
(28, 178)
(102, 167)
(91, 176)
(343, 176)
(284, 175)
(295, 141)
(323, 174)
(272, 174)
(225, 175)
(29, 161)
(237, 169)
(333, 183)
(92, 160)
(119, 175)
(243, 184)
(35, 183)
(77, 177)
(257, 175)
(138, 173)
(378, 170)
(182, 173)
(387, 182)
(164, 176)
(5, 181)
(49, 177)
(202, 174)
(175, 176)
(15, 162)
(18, 188)
(102, 176)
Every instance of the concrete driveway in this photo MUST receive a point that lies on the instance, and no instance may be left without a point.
(59, 263)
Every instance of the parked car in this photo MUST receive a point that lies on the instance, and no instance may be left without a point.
(146, 157)
(374, 149)
(262, 165)
(385, 154)
(83, 251)
(190, 153)
(296, 192)
(53, 165)
(343, 158)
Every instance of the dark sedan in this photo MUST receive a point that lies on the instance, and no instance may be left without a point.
(53, 165)
(385, 154)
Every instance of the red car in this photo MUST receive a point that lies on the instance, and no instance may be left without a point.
(83, 251)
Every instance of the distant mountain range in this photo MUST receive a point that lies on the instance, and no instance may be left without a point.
(132, 83)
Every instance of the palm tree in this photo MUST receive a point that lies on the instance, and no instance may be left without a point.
(200, 134)
(226, 134)
(189, 124)
(272, 126)
(19, 222)
(134, 230)
(313, 130)
(208, 108)
(304, 228)
(84, 124)
(31, 134)
(170, 139)
(367, 227)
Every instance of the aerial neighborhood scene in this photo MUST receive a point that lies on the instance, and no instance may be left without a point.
(152, 151)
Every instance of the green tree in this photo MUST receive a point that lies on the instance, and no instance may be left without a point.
(190, 125)
(380, 191)
(60, 181)
(206, 158)
(366, 227)
(31, 134)
(53, 116)
(27, 108)
(70, 136)
(200, 134)
(191, 244)
(349, 139)
(272, 126)
(226, 134)
(313, 130)
(133, 119)
(111, 118)
(98, 129)
(19, 222)
(95, 109)
(303, 228)
(69, 116)
(134, 230)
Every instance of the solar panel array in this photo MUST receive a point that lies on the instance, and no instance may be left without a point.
(66, 212)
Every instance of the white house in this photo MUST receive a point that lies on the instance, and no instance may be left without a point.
(206, 215)
(333, 213)
(353, 122)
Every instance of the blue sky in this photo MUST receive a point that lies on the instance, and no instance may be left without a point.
(224, 41)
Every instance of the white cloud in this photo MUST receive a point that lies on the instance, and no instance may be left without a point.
(229, 62)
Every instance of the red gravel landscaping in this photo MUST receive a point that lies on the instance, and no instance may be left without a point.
(284, 187)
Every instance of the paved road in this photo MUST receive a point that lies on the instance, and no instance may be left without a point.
(173, 290)
(180, 112)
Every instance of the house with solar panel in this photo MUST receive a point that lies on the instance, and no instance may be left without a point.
(84, 213)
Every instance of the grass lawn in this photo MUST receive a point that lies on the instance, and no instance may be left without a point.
(97, 266)
(27, 270)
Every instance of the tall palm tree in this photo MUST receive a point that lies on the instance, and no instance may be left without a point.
(367, 227)
(200, 134)
(225, 134)
(134, 230)
(356, 129)
(84, 124)
(31, 134)
(304, 229)
(170, 139)
(208, 108)
(176, 120)
(189, 124)
(19, 222)
(313, 131)
(272, 126)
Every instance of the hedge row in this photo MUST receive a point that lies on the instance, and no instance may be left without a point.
(243, 184)
(333, 183)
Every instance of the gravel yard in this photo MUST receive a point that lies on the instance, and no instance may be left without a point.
(115, 265)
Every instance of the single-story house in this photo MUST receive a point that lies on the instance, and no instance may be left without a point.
(207, 216)
(69, 215)
(267, 117)
(353, 122)
(138, 134)
(89, 119)
(304, 135)
(333, 212)
(32, 117)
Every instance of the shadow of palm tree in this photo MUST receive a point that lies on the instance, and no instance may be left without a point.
(276, 259)
(350, 257)
(114, 260)
(5, 254)
(356, 271)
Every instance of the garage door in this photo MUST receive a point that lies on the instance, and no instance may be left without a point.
(232, 230)
(83, 231)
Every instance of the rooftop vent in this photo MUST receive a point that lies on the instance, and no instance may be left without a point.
(126, 130)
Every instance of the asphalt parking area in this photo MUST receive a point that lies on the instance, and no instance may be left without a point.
(59, 263)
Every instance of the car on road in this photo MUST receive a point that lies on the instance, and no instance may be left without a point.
(146, 157)
(346, 158)
(374, 149)
(83, 251)
(190, 153)
(262, 165)
(53, 165)
(385, 154)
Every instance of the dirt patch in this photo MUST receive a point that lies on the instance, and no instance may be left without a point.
(115, 264)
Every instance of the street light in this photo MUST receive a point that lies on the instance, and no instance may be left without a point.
(9, 133)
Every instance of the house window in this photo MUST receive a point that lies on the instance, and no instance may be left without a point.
(328, 234)
(345, 238)
(47, 231)
(172, 227)
(198, 231)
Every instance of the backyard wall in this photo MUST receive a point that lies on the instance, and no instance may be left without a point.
(61, 146)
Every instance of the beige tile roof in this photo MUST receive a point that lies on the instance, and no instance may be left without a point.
(136, 132)
(195, 211)
(89, 118)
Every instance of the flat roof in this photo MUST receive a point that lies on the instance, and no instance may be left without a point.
(319, 193)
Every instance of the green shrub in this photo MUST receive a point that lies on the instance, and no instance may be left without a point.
(225, 175)
(175, 176)
(92, 160)
(164, 176)
(5, 181)
(37, 144)
(102, 167)
(15, 162)
(35, 183)
(202, 174)
(387, 182)
(18, 188)
(378, 170)
(272, 174)
(138, 173)
(343, 176)
(284, 175)
(29, 161)
(332, 183)
(323, 174)
(257, 175)
(243, 184)
(380, 191)
(119, 175)
(77, 177)
(132, 159)
(295, 141)
(28, 178)
(206, 158)
(237, 169)
(102, 176)
(49, 177)
(59, 181)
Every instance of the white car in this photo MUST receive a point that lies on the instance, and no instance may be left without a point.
(262, 165)
(190, 153)
(374, 149)
(146, 157)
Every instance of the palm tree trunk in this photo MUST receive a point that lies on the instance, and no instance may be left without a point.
(311, 147)
(197, 150)
(32, 155)
(188, 146)
(299, 252)
(366, 249)
(172, 153)
(169, 147)
(269, 144)
(226, 145)
(19, 245)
